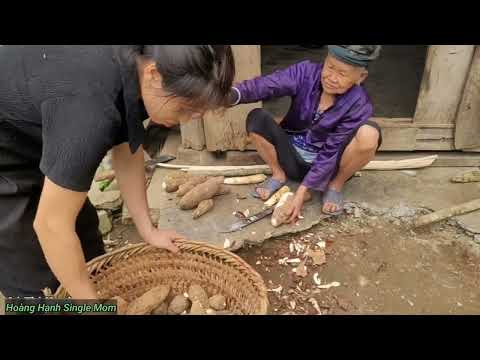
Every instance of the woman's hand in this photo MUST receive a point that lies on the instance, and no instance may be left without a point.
(297, 204)
(164, 239)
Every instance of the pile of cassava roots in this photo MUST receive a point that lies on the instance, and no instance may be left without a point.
(161, 301)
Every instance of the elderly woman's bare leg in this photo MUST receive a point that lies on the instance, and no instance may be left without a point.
(358, 153)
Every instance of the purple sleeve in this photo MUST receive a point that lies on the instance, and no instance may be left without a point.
(324, 165)
(281, 83)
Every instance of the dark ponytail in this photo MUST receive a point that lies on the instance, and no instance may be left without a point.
(202, 74)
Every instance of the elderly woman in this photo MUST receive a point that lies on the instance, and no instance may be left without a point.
(61, 109)
(326, 135)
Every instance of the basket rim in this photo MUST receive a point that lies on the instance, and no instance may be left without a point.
(183, 245)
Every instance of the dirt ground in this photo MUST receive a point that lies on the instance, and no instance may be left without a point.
(381, 268)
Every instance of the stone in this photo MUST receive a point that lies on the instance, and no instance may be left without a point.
(476, 238)
(452, 222)
(357, 213)
(402, 211)
(106, 200)
(105, 223)
(469, 176)
(469, 222)
(349, 208)
(411, 173)
(113, 186)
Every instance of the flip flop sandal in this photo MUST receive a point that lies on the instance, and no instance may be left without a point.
(271, 185)
(334, 197)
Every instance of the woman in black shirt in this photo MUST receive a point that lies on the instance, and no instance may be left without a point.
(61, 109)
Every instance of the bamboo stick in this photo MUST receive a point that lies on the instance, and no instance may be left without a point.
(447, 213)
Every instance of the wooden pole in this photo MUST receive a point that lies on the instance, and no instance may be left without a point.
(193, 134)
(227, 131)
(447, 213)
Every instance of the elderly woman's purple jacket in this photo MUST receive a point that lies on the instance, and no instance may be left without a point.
(302, 83)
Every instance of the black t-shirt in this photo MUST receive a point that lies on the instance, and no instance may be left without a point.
(61, 109)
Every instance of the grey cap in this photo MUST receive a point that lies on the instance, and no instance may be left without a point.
(358, 55)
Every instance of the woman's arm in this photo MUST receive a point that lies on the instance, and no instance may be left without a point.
(55, 227)
(130, 174)
(281, 83)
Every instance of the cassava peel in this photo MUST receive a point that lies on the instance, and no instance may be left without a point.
(276, 197)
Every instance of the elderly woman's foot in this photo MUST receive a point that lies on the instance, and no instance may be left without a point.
(270, 187)
(332, 202)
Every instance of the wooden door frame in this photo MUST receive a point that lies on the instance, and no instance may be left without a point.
(433, 125)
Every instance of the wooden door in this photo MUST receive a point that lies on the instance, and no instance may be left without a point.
(433, 125)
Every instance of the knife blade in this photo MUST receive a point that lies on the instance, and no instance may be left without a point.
(150, 165)
(248, 221)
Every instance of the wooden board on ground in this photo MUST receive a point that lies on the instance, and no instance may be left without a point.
(412, 163)
(443, 82)
(227, 131)
(467, 132)
(445, 159)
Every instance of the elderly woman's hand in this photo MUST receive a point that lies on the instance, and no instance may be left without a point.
(301, 196)
(164, 239)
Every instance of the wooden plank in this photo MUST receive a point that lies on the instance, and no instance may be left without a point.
(435, 145)
(193, 135)
(393, 122)
(398, 139)
(443, 81)
(228, 131)
(435, 134)
(408, 122)
(445, 159)
(405, 135)
(467, 133)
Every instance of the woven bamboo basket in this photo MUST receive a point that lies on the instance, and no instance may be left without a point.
(133, 270)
